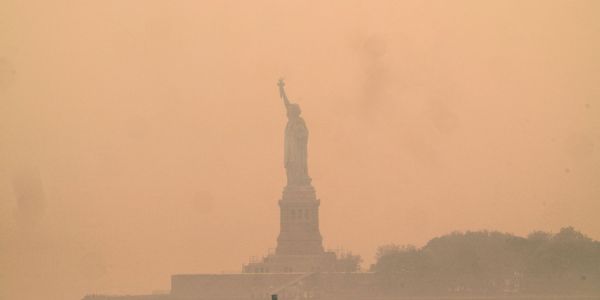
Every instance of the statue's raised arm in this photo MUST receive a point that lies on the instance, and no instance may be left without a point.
(282, 94)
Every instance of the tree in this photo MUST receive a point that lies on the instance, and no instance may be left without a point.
(492, 262)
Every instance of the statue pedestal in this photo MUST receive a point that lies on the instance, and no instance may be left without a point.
(299, 245)
(299, 222)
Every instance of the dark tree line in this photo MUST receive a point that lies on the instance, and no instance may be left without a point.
(486, 262)
(347, 262)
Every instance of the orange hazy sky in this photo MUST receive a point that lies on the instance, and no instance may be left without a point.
(157, 129)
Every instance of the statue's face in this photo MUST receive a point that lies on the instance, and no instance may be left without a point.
(293, 111)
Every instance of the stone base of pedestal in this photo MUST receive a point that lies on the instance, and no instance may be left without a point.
(325, 262)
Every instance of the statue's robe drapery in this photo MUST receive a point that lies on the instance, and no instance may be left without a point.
(295, 153)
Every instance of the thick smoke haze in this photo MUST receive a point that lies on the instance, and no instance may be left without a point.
(154, 129)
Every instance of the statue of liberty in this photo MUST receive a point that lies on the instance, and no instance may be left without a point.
(296, 140)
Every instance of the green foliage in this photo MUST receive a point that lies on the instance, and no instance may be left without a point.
(348, 262)
(486, 262)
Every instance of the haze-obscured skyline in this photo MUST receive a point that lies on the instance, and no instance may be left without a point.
(157, 128)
